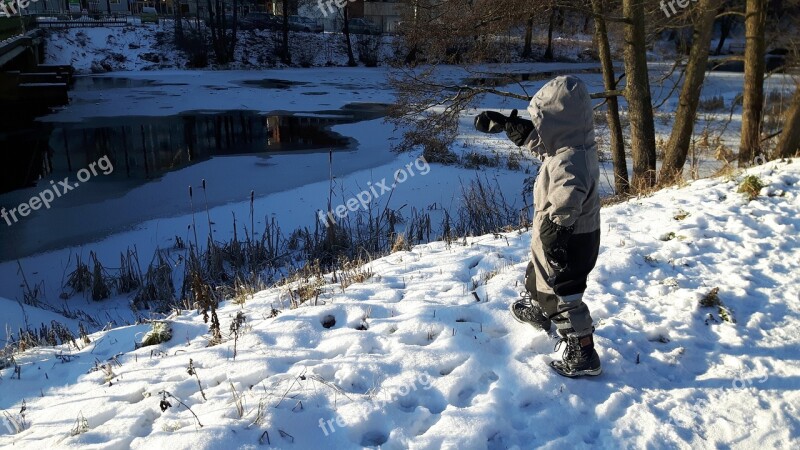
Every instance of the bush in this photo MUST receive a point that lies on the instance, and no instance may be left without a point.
(473, 160)
(369, 49)
(159, 333)
(194, 45)
(157, 288)
(751, 186)
(485, 209)
(436, 151)
(305, 55)
(710, 104)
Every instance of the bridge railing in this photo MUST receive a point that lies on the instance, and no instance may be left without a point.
(13, 26)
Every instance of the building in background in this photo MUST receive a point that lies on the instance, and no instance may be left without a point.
(384, 13)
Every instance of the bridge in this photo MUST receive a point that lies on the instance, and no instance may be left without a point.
(15, 46)
(25, 84)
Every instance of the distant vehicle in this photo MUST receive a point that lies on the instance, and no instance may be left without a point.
(307, 24)
(149, 15)
(361, 26)
(261, 21)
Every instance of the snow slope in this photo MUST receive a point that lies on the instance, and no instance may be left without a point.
(18, 315)
(150, 47)
(103, 49)
(414, 361)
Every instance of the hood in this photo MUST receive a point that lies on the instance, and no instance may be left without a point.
(562, 114)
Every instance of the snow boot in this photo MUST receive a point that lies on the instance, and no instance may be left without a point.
(580, 358)
(527, 311)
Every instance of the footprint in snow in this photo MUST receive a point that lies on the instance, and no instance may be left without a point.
(466, 393)
(373, 438)
(328, 321)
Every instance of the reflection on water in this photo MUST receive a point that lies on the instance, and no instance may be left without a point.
(144, 147)
(147, 146)
(105, 83)
(273, 83)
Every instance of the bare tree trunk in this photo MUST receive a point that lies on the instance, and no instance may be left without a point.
(637, 94)
(351, 61)
(725, 27)
(223, 43)
(789, 142)
(178, 24)
(548, 54)
(528, 50)
(286, 57)
(754, 65)
(212, 22)
(621, 183)
(231, 50)
(695, 73)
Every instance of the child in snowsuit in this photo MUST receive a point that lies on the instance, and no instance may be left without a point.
(566, 229)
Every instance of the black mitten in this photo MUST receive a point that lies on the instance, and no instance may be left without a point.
(490, 122)
(518, 129)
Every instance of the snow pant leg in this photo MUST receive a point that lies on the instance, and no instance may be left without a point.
(536, 276)
(560, 294)
(530, 279)
(573, 315)
(548, 302)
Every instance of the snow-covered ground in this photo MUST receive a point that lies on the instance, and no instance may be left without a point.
(150, 47)
(101, 49)
(414, 361)
(290, 188)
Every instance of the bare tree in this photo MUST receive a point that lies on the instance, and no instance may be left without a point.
(694, 75)
(178, 17)
(455, 32)
(548, 53)
(223, 41)
(286, 57)
(726, 24)
(638, 96)
(754, 66)
(621, 183)
(351, 61)
(464, 32)
(527, 48)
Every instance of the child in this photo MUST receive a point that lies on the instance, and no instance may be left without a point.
(566, 228)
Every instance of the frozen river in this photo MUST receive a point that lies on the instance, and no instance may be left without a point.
(164, 132)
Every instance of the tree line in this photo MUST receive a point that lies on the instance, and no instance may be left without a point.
(466, 32)
(218, 32)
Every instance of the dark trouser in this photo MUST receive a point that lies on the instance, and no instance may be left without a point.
(562, 297)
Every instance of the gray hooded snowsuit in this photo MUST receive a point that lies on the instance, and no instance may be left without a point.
(566, 227)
